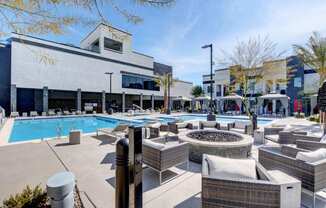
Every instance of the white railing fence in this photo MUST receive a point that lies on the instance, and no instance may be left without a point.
(2, 115)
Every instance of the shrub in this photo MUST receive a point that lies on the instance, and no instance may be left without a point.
(28, 198)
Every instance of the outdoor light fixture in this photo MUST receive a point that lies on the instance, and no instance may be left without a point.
(210, 116)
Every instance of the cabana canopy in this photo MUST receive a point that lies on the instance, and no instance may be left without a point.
(273, 96)
(232, 97)
(203, 98)
(182, 98)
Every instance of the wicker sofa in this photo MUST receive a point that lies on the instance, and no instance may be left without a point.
(309, 142)
(177, 127)
(282, 136)
(209, 124)
(174, 153)
(240, 127)
(312, 175)
(263, 192)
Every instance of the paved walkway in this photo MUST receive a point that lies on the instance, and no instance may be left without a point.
(93, 163)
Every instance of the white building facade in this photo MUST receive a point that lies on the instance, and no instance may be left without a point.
(104, 72)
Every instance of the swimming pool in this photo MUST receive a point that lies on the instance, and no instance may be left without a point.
(31, 129)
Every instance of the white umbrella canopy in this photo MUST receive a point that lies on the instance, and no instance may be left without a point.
(232, 97)
(182, 98)
(273, 96)
(203, 98)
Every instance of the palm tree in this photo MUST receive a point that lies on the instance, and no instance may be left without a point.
(165, 81)
(313, 54)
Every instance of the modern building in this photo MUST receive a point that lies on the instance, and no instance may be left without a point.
(38, 74)
(279, 79)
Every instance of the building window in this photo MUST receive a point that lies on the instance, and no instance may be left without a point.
(139, 82)
(218, 90)
(209, 89)
(112, 45)
(297, 82)
(95, 46)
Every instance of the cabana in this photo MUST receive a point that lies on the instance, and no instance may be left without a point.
(201, 102)
(273, 104)
(182, 100)
(231, 103)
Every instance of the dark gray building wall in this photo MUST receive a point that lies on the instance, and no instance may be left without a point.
(161, 69)
(5, 61)
(296, 70)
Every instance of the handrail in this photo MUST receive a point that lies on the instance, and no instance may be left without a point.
(2, 115)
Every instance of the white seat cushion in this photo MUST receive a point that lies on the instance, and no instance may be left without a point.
(323, 139)
(221, 167)
(240, 124)
(273, 137)
(209, 124)
(241, 131)
(155, 145)
(182, 125)
(312, 156)
(155, 125)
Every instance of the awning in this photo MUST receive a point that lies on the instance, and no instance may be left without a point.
(182, 98)
(203, 98)
(273, 96)
(232, 97)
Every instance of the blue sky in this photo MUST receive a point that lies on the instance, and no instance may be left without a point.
(174, 35)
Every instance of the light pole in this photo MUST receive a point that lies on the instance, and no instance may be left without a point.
(168, 111)
(210, 116)
(110, 90)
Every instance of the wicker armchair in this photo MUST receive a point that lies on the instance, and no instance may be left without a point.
(176, 127)
(175, 153)
(312, 175)
(244, 129)
(209, 124)
(309, 142)
(264, 192)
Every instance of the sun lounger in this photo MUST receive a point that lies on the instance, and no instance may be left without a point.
(14, 114)
(51, 113)
(24, 114)
(33, 113)
(119, 131)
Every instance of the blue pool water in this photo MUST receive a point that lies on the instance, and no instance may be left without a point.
(30, 129)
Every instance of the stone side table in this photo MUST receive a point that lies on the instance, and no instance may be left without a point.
(259, 137)
(74, 136)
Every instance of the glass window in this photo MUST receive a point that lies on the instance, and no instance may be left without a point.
(112, 44)
(139, 82)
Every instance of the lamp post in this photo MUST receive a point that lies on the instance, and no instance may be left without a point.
(110, 90)
(210, 116)
(168, 111)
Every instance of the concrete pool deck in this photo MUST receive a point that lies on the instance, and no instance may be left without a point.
(93, 163)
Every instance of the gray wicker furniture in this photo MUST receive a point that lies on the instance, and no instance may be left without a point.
(285, 137)
(312, 175)
(309, 142)
(176, 127)
(209, 124)
(240, 128)
(216, 142)
(265, 192)
(174, 153)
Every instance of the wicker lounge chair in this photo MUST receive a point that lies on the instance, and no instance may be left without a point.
(118, 132)
(285, 137)
(51, 113)
(241, 127)
(312, 175)
(309, 142)
(14, 114)
(173, 153)
(177, 127)
(24, 114)
(209, 124)
(263, 192)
